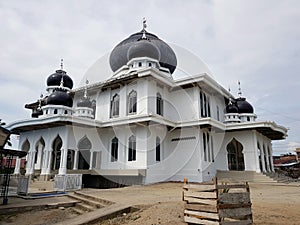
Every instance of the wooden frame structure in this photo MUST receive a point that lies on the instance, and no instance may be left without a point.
(214, 204)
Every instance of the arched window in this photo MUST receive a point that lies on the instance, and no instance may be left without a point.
(26, 146)
(132, 102)
(56, 153)
(39, 150)
(235, 155)
(55, 111)
(157, 150)
(84, 147)
(204, 105)
(204, 146)
(159, 104)
(132, 148)
(115, 105)
(114, 149)
(66, 111)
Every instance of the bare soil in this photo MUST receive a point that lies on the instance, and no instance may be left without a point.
(162, 204)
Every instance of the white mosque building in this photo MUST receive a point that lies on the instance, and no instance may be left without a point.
(142, 125)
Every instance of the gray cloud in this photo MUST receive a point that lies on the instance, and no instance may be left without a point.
(256, 42)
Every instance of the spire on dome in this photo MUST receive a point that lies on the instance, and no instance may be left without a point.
(144, 28)
(240, 90)
(85, 88)
(61, 64)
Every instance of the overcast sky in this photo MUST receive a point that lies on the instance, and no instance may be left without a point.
(254, 41)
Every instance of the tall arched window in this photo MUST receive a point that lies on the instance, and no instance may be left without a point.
(39, 150)
(235, 155)
(132, 102)
(26, 146)
(115, 106)
(159, 104)
(114, 149)
(84, 147)
(157, 150)
(204, 105)
(56, 153)
(132, 148)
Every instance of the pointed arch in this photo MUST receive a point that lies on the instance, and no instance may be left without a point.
(114, 149)
(26, 145)
(132, 148)
(259, 152)
(115, 105)
(157, 150)
(159, 104)
(235, 155)
(56, 152)
(132, 100)
(84, 147)
(39, 152)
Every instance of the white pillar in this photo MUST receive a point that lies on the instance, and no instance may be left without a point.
(63, 161)
(17, 167)
(48, 162)
(75, 166)
(91, 159)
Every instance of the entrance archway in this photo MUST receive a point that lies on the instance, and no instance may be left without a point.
(235, 156)
(84, 147)
(56, 153)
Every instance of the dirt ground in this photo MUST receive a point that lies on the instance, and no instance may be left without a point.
(162, 204)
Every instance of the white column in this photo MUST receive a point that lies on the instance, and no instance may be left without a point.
(63, 161)
(91, 159)
(17, 167)
(48, 162)
(262, 158)
(44, 162)
(75, 166)
(29, 163)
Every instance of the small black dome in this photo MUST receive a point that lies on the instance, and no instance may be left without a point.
(143, 48)
(119, 55)
(231, 108)
(244, 106)
(60, 97)
(55, 79)
(84, 102)
(36, 113)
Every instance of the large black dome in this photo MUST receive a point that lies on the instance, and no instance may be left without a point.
(55, 79)
(244, 106)
(60, 97)
(120, 54)
(231, 108)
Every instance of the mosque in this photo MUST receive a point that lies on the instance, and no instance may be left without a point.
(143, 125)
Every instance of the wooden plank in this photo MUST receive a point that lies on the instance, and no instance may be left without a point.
(240, 222)
(194, 220)
(200, 187)
(232, 206)
(203, 208)
(202, 194)
(237, 213)
(200, 201)
(234, 198)
(228, 186)
(201, 215)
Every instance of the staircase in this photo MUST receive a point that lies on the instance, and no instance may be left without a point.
(244, 176)
(281, 178)
(87, 203)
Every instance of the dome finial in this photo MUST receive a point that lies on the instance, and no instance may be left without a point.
(240, 90)
(61, 64)
(85, 89)
(144, 28)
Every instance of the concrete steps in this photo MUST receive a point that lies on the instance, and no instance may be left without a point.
(87, 203)
(243, 176)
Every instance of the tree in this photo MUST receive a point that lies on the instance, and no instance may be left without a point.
(3, 124)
